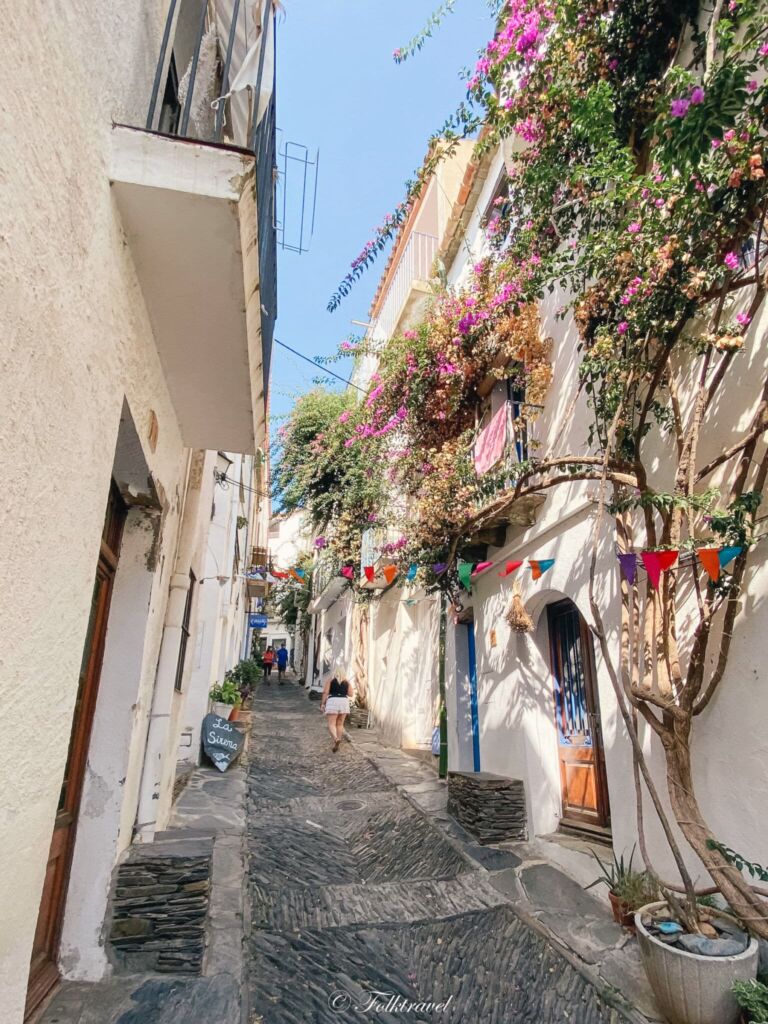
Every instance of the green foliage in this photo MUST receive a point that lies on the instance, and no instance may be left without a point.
(755, 870)
(417, 42)
(225, 693)
(752, 996)
(245, 675)
(635, 888)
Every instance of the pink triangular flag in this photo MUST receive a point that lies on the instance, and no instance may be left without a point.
(657, 562)
(348, 571)
(481, 567)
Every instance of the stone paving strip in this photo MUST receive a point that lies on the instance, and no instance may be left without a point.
(362, 884)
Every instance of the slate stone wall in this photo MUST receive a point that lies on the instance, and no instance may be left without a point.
(490, 807)
(160, 907)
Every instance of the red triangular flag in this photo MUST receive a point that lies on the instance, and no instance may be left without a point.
(657, 562)
(369, 572)
(511, 566)
(390, 571)
(280, 575)
(710, 560)
(481, 567)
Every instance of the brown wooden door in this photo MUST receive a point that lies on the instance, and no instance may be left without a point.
(43, 973)
(577, 713)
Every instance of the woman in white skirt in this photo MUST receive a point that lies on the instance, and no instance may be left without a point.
(335, 707)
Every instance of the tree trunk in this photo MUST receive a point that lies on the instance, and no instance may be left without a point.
(746, 904)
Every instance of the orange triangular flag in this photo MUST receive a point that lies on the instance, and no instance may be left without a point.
(390, 571)
(710, 560)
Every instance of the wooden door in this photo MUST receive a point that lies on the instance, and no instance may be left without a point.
(579, 736)
(43, 973)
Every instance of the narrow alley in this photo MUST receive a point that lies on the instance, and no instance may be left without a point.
(362, 905)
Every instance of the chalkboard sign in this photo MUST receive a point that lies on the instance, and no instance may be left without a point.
(222, 742)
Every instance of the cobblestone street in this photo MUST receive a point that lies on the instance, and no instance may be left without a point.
(361, 905)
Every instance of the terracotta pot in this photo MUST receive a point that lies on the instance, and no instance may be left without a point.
(689, 988)
(234, 714)
(622, 913)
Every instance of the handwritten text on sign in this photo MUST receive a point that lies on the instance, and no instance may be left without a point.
(222, 742)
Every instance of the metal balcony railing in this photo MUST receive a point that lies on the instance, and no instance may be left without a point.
(225, 41)
(415, 264)
(327, 569)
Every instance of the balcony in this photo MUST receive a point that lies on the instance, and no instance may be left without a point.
(408, 290)
(260, 561)
(327, 583)
(195, 193)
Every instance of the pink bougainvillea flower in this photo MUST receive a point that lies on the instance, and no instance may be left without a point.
(344, 416)
(744, 319)
(763, 51)
(410, 335)
(623, 327)
(697, 96)
(679, 107)
(731, 260)
(321, 542)
(634, 227)
(730, 135)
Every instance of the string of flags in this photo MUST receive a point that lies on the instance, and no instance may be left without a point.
(712, 560)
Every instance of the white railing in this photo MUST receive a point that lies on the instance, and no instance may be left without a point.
(415, 264)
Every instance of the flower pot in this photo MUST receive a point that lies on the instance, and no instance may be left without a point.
(222, 710)
(622, 913)
(689, 988)
(234, 713)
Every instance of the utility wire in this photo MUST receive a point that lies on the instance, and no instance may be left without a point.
(319, 368)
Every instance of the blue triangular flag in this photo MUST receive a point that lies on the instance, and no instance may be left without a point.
(726, 555)
(411, 574)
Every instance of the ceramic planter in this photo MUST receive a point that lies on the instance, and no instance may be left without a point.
(689, 988)
(222, 710)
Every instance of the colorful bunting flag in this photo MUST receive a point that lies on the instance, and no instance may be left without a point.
(482, 567)
(727, 555)
(279, 575)
(465, 574)
(390, 571)
(710, 560)
(348, 571)
(540, 566)
(411, 574)
(301, 573)
(657, 562)
(439, 568)
(628, 561)
(369, 572)
(511, 566)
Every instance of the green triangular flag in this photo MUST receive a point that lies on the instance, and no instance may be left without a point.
(465, 572)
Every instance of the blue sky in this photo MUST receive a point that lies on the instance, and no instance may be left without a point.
(340, 90)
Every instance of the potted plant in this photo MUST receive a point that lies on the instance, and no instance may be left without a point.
(628, 890)
(752, 997)
(693, 974)
(224, 697)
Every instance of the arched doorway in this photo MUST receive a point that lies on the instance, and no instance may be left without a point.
(583, 782)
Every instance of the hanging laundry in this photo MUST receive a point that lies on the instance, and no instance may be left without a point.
(489, 446)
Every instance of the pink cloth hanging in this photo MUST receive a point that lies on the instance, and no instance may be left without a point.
(490, 443)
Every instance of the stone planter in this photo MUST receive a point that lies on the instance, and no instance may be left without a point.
(222, 710)
(693, 989)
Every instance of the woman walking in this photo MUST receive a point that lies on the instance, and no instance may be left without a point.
(268, 660)
(335, 707)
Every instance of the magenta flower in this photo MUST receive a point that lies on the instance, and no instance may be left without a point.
(320, 543)
(717, 143)
(697, 96)
(731, 260)
(743, 319)
(763, 51)
(751, 85)
(679, 107)
(623, 327)
(344, 417)
(634, 227)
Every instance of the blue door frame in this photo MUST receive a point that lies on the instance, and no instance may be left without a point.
(470, 627)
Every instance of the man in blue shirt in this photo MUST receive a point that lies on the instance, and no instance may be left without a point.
(282, 662)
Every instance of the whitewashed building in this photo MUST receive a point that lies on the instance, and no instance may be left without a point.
(137, 302)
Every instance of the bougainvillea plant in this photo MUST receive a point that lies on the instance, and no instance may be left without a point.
(635, 140)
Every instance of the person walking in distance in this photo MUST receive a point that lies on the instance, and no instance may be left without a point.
(335, 706)
(282, 662)
(268, 660)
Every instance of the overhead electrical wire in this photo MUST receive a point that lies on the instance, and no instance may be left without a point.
(321, 369)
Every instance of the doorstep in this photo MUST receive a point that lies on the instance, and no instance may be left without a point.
(210, 810)
(535, 879)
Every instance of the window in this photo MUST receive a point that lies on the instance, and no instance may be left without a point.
(185, 631)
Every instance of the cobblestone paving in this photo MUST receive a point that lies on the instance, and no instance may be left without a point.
(354, 892)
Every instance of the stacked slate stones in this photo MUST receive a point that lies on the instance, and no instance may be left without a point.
(490, 807)
(159, 908)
